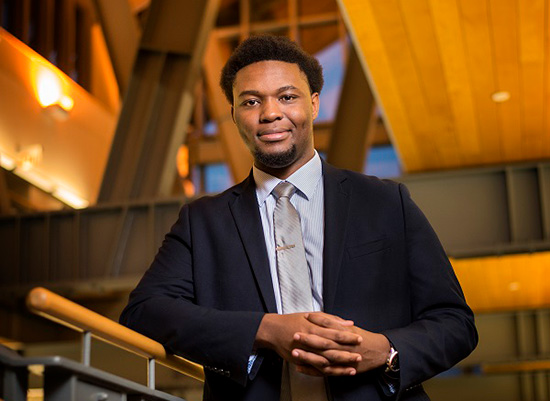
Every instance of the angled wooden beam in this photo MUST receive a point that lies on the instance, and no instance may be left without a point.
(121, 35)
(66, 40)
(5, 204)
(352, 129)
(237, 155)
(159, 102)
(44, 38)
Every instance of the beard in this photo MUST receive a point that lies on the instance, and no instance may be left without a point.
(276, 160)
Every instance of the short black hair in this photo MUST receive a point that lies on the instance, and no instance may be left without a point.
(270, 47)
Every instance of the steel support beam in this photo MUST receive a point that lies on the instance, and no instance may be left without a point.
(491, 211)
(487, 211)
(353, 128)
(159, 101)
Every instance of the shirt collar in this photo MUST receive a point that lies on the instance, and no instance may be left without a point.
(305, 179)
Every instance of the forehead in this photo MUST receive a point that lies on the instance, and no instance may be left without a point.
(270, 73)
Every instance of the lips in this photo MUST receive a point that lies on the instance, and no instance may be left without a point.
(274, 135)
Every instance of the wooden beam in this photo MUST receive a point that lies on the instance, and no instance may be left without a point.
(293, 28)
(231, 32)
(5, 204)
(45, 23)
(21, 16)
(349, 141)
(244, 19)
(237, 155)
(84, 24)
(122, 34)
(66, 40)
(159, 102)
(211, 150)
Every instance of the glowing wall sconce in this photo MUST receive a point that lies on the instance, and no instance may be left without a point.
(23, 165)
(7, 162)
(69, 198)
(50, 92)
(29, 157)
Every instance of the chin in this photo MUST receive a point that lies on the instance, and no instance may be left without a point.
(276, 159)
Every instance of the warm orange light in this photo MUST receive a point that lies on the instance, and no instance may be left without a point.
(66, 102)
(50, 88)
(182, 161)
(29, 157)
(70, 198)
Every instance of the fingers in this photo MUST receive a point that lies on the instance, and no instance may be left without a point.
(329, 321)
(330, 363)
(320, 343)
(326, 358)
(328, 338)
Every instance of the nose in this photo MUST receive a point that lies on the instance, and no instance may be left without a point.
(271, 111)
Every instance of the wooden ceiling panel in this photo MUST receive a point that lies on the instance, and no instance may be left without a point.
(420, 28)
(435, 65)
(396, 42)
(371, 43)
(478, 47)
(505, 49)
(531, 58)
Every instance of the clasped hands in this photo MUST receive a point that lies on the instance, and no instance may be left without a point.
(320, 344)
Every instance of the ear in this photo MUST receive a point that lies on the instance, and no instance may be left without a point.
(233, 114)
(315, 104)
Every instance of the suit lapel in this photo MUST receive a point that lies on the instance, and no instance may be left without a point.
(337, 197)
(247, 219)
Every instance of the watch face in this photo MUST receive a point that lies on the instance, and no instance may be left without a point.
(393, 361)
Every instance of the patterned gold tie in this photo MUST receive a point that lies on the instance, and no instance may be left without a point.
(295, 287)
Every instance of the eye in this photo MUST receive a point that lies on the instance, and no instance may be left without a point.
(288, 98)
(250, 102)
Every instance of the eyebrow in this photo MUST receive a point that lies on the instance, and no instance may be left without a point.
(257, 93)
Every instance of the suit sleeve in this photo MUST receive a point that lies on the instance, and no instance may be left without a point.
(163, 307)
(442, 330)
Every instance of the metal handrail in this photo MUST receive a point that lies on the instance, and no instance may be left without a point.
(54, 307)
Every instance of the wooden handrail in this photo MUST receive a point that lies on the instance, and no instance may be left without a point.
(54, 307)
(515, 367)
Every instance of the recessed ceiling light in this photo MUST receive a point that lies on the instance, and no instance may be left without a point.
(501, 96)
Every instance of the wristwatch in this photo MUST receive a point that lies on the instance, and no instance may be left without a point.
(392, 362)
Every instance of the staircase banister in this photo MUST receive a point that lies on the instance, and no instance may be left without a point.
(61, 310)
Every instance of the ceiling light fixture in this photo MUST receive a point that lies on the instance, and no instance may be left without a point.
(500, 96)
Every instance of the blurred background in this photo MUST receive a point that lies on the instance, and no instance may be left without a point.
(111, 118)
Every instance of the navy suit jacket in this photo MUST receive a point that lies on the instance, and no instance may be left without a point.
(384, 268)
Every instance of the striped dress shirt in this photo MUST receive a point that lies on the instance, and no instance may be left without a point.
(309, 202)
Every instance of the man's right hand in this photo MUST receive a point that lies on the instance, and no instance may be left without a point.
(279, 333)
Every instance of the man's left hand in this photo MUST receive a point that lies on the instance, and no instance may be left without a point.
(319, 356)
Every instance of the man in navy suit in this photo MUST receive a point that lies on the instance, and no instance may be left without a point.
(388, 311)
